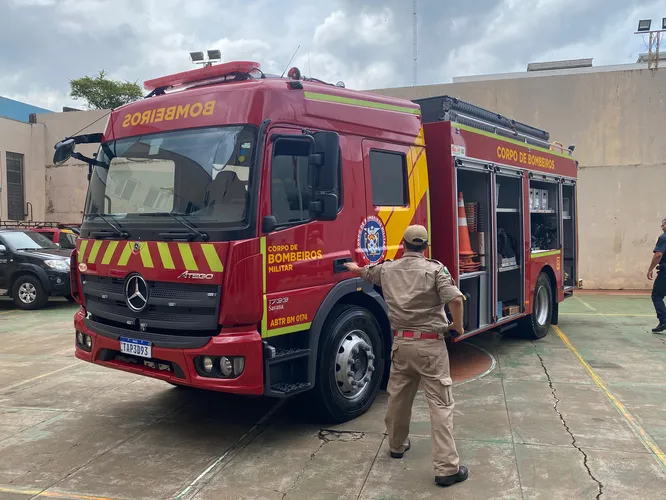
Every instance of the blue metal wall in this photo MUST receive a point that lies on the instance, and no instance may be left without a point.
(18, 110)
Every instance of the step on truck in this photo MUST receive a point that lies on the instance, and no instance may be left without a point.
(222, 208)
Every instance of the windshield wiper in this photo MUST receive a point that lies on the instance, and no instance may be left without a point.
(193, 231)
(117, 230)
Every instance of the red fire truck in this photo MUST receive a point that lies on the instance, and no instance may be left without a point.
(221, 210)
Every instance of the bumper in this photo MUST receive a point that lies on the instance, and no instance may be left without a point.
(237, 342)
(58, 283)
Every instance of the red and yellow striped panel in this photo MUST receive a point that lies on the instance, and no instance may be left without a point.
(158, 255)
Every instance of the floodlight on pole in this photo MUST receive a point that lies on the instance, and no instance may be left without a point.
(644, 25)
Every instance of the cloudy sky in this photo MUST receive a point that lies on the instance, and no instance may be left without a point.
(365, 43)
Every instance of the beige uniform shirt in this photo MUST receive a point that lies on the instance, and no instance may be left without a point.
(415, 290)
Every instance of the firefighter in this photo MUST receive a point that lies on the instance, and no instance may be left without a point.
(659, 287)
(416, 289)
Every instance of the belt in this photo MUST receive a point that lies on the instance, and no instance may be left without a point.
(417, 335)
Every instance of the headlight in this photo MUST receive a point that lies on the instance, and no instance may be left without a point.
(58, 264)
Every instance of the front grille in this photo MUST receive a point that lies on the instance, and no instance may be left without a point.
(172, 307)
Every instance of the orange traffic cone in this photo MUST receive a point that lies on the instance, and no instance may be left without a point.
(465, 251)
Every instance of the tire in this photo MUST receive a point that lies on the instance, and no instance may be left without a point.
(537, 324)
(28, 293)
(340, 397)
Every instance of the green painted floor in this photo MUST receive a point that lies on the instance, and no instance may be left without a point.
(543, 423)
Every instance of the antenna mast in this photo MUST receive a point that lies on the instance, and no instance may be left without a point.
(414, 44)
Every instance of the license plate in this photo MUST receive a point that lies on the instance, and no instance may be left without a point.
(137, 347)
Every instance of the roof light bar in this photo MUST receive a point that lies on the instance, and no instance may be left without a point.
(197, 57)
(200, 74)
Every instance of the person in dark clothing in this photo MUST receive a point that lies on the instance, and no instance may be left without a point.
(659, 288)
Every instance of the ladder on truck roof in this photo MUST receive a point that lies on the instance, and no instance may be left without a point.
(447, 108)
(36, 224)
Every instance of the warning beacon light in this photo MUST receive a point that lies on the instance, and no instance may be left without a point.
(294, 73)
(644, 24)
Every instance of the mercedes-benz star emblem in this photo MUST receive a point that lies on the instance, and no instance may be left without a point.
(136, 293)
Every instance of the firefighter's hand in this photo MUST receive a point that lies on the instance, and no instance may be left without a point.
(650, 274)
(458, 328)
(353, 267)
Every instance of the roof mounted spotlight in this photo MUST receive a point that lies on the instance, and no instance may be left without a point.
(663, 23)
(644, 25)
(340, 84)
(214, 55)
(197, 57)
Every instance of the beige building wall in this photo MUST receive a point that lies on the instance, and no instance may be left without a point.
(615, 120)
(66, 184)
(25, 139)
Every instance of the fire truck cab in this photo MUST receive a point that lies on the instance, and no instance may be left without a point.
(221, 211)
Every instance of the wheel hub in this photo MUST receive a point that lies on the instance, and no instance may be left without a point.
(354, 365)
(27, 293)
(542, 305)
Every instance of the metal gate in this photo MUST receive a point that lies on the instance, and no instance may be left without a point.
(15, 187)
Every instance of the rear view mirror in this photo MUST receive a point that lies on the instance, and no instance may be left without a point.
(325, 161)
(63, 151)
(3, 249)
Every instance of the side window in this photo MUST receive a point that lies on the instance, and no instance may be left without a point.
(291, 181)
(388, 174)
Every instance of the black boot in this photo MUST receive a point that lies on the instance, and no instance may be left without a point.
(459, 477)
(395, 454)
(660, 328)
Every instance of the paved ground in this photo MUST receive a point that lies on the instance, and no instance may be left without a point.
(577, 415)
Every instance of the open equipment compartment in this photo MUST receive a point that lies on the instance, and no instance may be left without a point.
(474, 182)
(544, 203)
(569, 241)
(510, 258)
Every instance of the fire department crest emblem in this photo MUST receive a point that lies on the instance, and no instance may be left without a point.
(136, 248)
(372, 239)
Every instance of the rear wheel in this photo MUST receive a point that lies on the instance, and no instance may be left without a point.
(28, 292)
(350, 364)
(537, 324)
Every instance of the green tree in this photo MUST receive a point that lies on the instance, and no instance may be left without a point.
(100, 92)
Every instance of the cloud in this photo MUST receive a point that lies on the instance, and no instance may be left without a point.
(45, 43)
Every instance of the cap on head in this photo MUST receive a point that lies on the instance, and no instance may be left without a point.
(416, 235)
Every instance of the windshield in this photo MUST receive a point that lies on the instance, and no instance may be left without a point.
(67, 240)
(28, 240)
(200, 173)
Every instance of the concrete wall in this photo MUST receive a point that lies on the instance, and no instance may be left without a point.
(56, 193)
(66, 184)
(23, 138)
(615, 119)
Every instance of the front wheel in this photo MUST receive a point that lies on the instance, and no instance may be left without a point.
(28, 292)
(350, 364)
(537, 324)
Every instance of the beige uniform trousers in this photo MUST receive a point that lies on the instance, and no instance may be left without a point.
(411, 362)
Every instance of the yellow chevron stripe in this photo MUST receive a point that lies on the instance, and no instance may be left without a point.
(146, 258)
(127, 251)
(94, 251)
(188, 258)
(212, 258)
(403, 217)
(109, 252)
(165, 255)
(82, 249)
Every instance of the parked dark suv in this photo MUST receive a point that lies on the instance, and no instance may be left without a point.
(32, 268)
